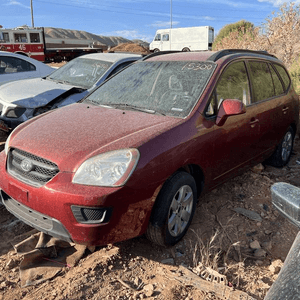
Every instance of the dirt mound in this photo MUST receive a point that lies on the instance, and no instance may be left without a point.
(59, 33)
(130, 47)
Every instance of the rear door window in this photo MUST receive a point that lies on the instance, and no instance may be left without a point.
(12, 65)
(262, 82)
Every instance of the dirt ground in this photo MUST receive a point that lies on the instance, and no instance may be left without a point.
(247, 254)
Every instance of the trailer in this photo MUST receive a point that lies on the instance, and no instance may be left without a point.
(183, 39)
(33, 43)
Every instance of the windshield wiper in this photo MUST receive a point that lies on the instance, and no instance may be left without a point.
(134, 107)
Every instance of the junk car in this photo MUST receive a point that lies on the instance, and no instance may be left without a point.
(134, 156)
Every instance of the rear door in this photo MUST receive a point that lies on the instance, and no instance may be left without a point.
(271, 103)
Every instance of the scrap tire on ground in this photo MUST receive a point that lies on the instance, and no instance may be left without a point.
(283, 151)
(173, 210)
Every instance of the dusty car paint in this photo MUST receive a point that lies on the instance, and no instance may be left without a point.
(210, 150)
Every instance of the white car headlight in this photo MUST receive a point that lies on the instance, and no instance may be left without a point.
(108, 169)
(6, 147)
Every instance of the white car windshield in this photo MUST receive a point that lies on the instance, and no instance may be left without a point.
(169, 88)
(81, 72)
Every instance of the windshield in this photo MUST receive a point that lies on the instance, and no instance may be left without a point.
(82, 72)
(171, 88)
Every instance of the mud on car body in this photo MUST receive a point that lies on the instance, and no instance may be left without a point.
(134, 156)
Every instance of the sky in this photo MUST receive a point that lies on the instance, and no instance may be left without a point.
(134, 19)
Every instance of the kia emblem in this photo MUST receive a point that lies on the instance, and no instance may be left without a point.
(26, 165)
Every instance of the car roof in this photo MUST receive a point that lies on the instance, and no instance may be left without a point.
(111, 57)
(213, 56)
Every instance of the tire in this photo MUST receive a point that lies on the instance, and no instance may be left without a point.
(156, 50)
(173, 210)
(283, 151)
(186, 49)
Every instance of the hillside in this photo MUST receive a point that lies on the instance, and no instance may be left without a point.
(56, 34)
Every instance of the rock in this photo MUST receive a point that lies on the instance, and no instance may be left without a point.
(259, 262)
(255, 245)
(260, 253)
(168, 261)
(258, 168)
(252, 215)
(267, 232)
(267, 245)
(148, 289)
(276, 266)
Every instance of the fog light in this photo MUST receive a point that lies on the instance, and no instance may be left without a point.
(91, 215)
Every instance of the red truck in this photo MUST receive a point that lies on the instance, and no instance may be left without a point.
(32, 42)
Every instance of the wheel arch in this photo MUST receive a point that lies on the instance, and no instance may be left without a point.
(294, 127)
(198, 175)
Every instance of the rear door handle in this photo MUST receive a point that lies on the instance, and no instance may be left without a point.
(285, 109)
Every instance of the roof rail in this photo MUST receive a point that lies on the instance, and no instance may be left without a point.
(225, 52)
(159, 53)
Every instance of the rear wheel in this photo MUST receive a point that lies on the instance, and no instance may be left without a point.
(156, 50)
(186, 49)
(173, 210)
(283, 152)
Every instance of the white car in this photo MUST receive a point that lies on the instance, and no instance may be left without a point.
(22, 100)
(15, 66)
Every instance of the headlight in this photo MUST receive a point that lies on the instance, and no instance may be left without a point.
(108, 169)
(6, 147)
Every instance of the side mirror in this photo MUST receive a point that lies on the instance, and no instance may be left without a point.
(229, 107)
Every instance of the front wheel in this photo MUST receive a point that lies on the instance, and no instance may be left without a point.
(173, 210)
(186, 49)
(283, 152)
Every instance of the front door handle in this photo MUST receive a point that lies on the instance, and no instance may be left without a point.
(253, 122)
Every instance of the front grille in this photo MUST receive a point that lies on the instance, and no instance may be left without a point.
(30, 168)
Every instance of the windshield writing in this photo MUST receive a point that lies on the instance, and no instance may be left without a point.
(171, 88)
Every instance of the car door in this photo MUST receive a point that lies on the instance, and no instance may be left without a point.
(235, 141)
(271, 103)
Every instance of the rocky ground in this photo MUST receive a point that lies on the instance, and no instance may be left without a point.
(244, 253)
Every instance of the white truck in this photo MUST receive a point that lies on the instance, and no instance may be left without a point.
(183, 39)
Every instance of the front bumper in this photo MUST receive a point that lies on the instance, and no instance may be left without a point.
(35, 219)
(49, 208)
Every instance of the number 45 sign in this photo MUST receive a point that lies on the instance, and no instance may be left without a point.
(22, 47)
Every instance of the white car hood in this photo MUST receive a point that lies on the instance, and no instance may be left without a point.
(32, 93)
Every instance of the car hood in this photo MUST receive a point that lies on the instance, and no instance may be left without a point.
(32, 93)
(70, 135)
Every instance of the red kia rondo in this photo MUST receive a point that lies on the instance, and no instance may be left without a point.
(135, 154)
